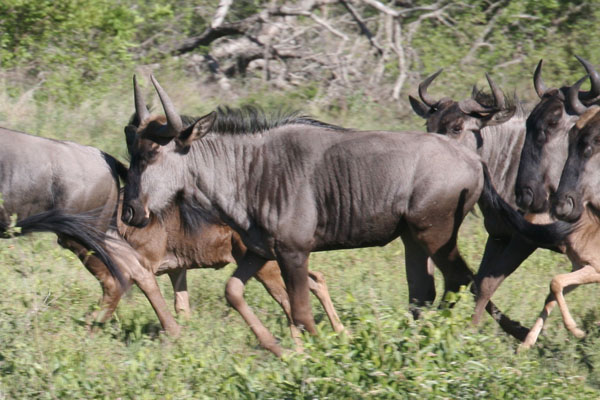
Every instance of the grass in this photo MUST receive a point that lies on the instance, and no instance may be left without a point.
(46, 352)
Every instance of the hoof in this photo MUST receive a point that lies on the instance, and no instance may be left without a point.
(579, 334)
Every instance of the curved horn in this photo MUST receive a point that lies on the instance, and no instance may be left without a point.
(469, 106)
(594, 79)
(173, 119)
(423, 89)
(498, 95)
(573, 97)
(538, 83)
(140, 106)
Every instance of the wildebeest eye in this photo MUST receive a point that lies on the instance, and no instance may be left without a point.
(587, 153)
(541, 137)
(552, 123)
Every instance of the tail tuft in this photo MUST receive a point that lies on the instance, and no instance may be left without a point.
(546, 236)
(79, 227)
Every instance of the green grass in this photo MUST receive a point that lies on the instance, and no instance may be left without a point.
(46, 352)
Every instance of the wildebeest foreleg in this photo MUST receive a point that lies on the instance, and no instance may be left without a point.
(270, 277)
(499, 261)
(179, 283)
(234, 293)
(146, 281)
(294, 268)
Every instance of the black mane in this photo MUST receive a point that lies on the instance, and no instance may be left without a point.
(250, 119)
(487, 99)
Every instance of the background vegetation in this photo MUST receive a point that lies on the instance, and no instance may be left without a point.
(65, 72)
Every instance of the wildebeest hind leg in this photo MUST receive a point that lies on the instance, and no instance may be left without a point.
(111, 289)
(493, 270)
(318, 287)
(585, 275)
(421, 285)
(454, 269)
(234, 293)
(536, 329)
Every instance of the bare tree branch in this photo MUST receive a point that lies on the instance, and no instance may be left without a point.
(222, 10)
(363, 28)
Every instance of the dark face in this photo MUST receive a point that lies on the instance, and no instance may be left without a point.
(544, 153)
(144, 178)
(579, 182)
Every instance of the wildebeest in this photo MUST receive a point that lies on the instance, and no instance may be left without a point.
(292, 185)
(53, 175)
(544, 155)
(44, 181)
(495, 129)
(43, 175)
(170, 245)
(576, 199)
(545, 147)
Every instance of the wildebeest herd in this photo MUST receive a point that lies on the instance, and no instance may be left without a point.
(264, 191)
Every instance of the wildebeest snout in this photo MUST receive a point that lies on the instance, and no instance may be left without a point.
(524, 197)
(134, 214)
(567, 207)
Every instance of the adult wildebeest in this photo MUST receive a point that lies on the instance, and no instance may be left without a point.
(54, 175)
(497, 131)
(293, 185)
(41, 185)
(43, 175)
(546, 142)
(575, 199)
(545, 151)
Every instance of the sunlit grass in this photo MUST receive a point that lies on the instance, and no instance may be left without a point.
(46, 352)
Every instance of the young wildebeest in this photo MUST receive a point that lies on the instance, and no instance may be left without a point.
(56, 175)
(295, 185)
(498, 133)
(170, 244)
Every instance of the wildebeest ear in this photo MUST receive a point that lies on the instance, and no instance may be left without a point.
(501, 116)
(130, 132)
(419, 107)
(195, 131)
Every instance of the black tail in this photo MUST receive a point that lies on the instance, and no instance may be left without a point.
(547, 236)
(75, 226)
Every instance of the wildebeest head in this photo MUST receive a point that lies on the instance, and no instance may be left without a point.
(156, 145)
(546, 141)
(464, 119)
(580, 182)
